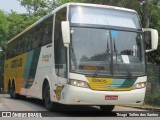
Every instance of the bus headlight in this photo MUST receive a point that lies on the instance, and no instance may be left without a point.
(140, 85)
(78, 83)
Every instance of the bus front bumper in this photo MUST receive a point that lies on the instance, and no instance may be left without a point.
(84, 96)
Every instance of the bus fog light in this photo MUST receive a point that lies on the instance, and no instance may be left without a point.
(77, 101)
(79, 83)
(75, 83)
(140, 85)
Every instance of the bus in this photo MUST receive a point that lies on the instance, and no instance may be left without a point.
(81, 54)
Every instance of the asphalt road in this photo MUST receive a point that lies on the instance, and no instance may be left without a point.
(75, 112)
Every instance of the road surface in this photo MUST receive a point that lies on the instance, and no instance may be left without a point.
(29, 104)
(88, 113)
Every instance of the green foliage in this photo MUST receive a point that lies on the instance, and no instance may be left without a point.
(3, 29)
(155, 23)
(3, 36)
(18, 22)
(13, 23)
(60, 2)
(153, 89)
(38, 7)
(150, 74)
(153, 99)
(10, 25)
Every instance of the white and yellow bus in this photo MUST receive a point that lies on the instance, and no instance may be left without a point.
(81, 54)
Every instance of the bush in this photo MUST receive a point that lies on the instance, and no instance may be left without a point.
(153, 92)
(153, 99)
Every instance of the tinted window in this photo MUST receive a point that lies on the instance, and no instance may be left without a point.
(60, 50)
(47, 31)
(38, 36)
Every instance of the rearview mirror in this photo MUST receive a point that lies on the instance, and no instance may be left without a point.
(151, 39)
(65, 32)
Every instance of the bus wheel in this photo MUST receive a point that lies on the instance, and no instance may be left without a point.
(13, 92)
(48, 103)
(9, 87)
(107, 107)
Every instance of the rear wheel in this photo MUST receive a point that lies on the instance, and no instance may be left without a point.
(48, 103)
(13, 93)
(108, 108)
(9, 87)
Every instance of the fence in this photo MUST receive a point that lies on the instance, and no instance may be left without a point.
(153, 85)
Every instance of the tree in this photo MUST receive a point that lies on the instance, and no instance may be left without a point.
(38, 7)
(148, 11)
(3, 36)
(18, 22)
(3, 29)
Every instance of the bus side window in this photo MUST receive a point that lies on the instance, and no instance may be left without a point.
(26, 42)
(30, 40)
(18, 46)
(37, 39)
(15, 47)
(9, 51)
(48, 29)
(22, 44)
(12, 49)
(60, 50)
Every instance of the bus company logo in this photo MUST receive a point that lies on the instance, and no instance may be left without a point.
(46, 58)
(17, 63)
(99, 80)
(58, 92)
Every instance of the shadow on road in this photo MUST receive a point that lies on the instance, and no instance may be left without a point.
(68, 110)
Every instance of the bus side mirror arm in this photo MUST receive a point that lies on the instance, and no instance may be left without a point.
(154, 38)
(65, 32)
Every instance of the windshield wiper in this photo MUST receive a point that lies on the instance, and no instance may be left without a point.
(122, 61)
(104, 57)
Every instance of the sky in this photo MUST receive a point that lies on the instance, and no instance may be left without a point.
(8, 5)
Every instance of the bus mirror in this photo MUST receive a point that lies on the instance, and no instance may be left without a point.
(151, 39)
(65, 32)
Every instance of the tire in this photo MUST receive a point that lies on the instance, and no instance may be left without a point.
(13, 93)
(108, 108)
(50, 106)
(9, 87)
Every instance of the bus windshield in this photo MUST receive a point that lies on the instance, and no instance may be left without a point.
(109, 52)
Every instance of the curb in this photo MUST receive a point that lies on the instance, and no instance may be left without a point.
(150, 108)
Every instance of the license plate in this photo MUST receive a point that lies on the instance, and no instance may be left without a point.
(111, 97)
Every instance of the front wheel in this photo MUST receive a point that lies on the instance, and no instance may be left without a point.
(108, 108)
(48, 103)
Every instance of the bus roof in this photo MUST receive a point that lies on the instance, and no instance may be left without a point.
(67, 5)
(100, 6)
